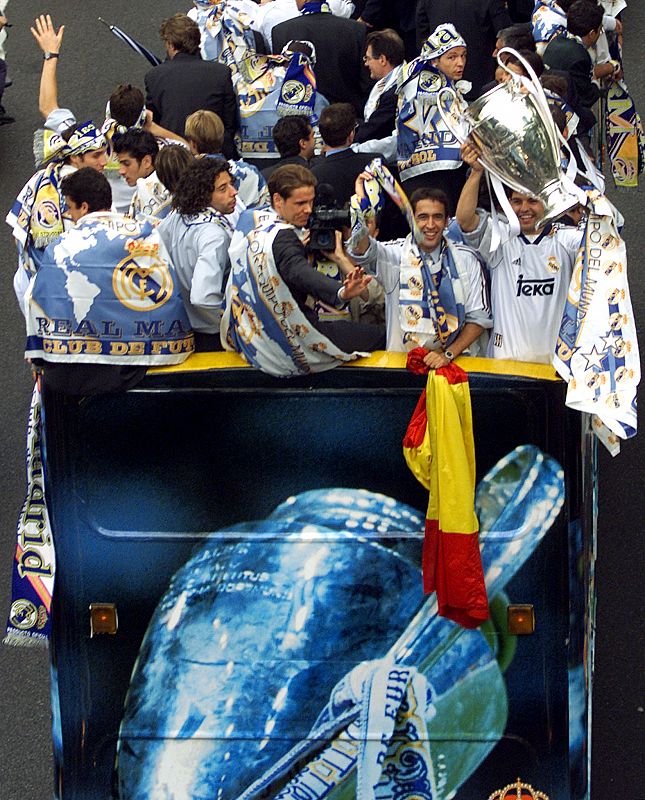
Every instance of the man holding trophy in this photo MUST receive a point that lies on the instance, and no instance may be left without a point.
(530, 271)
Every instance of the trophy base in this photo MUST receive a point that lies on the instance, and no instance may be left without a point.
(557, 201)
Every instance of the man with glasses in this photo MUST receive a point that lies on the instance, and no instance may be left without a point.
(384, 57)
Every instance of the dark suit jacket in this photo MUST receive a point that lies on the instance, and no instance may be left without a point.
(382, 121)
(300, 276)
(340, 170)
(187, 83)
(477, 21)
(340, 46)
(273, 166)
(568, 54)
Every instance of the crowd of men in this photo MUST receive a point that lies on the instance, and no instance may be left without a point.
(147, 236)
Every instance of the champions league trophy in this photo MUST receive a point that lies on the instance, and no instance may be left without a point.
(512, 127)
(255, 631)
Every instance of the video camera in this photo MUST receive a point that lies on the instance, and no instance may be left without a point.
(325, 220)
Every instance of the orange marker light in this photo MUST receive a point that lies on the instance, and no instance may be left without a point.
(103, 618)
(520, 619)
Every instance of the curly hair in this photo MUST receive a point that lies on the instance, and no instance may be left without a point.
(195, 187)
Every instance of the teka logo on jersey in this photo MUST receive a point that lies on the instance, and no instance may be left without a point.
(532, 287)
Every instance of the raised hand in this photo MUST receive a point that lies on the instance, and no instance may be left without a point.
(49, 39)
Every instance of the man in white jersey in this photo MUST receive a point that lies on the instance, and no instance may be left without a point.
(530, 272)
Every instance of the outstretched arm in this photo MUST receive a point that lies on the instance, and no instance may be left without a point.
(466, 212)
(49, 40)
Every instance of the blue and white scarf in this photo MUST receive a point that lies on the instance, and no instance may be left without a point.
(261, 319)
(548, 20)
(597, 349)
(225, 29)
(32, 583)
(424, 143)
(106, 293)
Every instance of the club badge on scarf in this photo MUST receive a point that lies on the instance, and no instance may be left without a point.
(32, 581)
(597, 349)
(298, 90)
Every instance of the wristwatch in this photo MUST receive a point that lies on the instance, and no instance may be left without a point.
(47, 55)
(449, 354)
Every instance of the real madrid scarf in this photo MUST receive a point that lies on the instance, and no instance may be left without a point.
(625, 136)
(298, 90)
(547, 21)
(32, 582)
(597, 348)
(424, 143)
(439, 450)
(315, 7)
(37, 214)
(261, 319)
(106, 293)
(226, 33)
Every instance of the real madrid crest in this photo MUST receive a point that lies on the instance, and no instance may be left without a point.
(552, 264)
(142, 281)
(294, 92)
(518, 791)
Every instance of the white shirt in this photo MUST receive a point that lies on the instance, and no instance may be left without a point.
(199, 253)
(529, 285)
(383, 259)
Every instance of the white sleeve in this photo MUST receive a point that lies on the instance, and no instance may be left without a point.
(477, 305)
(480, 238)
(383, 260)
(206, 289)
(21, 281)
(386, 147)
(341, 8)
(60, 119)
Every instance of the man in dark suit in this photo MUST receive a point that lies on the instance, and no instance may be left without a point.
(477, 21)
(397, 14)
(341, 75)
(186, 83)
(384, 56)
(340, 165)
(294, 138)
(584, 21)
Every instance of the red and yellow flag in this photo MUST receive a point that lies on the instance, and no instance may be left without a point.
(440, 451)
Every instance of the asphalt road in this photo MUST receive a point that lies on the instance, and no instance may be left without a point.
(91, 64)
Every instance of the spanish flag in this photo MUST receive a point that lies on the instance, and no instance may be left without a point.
(440, 451)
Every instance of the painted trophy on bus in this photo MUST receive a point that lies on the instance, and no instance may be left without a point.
(512, 127)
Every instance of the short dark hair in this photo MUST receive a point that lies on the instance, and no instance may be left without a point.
(288, 178)
(194, 188)
(555, 83)
(126, 104)
(87, 185)
(337, 121)
(559, 117)
(583, 17)
(518, 36)
(137, 142)
(182, 33)
(532, 59)
(386, 43)
(287, 133)
(171, 163)
(430, 193)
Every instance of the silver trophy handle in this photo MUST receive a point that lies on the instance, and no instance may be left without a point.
(448, 119)
(538, 91)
